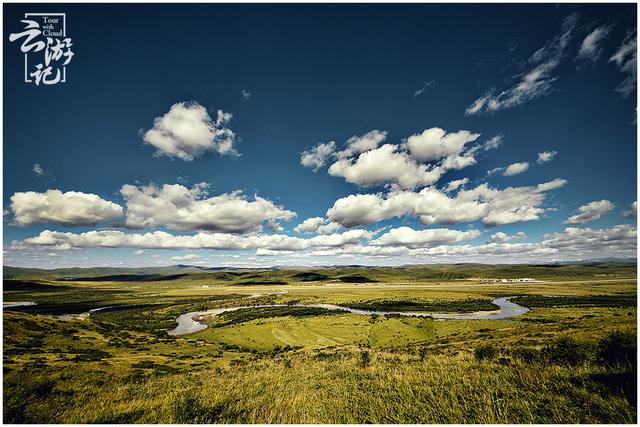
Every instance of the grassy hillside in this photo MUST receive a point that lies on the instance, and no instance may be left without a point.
(571, 359)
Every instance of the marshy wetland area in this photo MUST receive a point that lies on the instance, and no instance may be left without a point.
(460, 343)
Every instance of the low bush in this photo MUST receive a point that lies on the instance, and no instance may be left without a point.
(566, 350)
(486, 352)
(365, 359)
(618, 348)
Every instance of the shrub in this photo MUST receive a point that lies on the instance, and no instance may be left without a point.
(423, 354)
(566, 350)
(618, 348)
(526, 354)
(365, 359)
(485, 352)
(190, 410)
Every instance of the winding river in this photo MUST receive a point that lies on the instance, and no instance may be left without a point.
(189, 323)
(17, 304)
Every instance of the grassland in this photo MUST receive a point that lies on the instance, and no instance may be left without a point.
(571, 359)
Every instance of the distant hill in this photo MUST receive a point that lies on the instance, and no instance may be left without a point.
(352, 274)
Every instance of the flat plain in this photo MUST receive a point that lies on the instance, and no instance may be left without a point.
(570, 359)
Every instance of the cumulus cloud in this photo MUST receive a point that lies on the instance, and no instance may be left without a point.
(317, 156)
(454, 185)
(552, 185)
(202, 240)
(546, 156)
(501, 237)
(590, 212)
(180, 208)
(537, 81)
(329, 228)
(410, 238)
(590, 49)
(317, 225)
(618, 240)
(187, 131)
(385, 164)
(494, 207)
(309, 225)
(245, 95)
(418, 162)
(572, 243)
(625, 59)
(516, 168)
(436, 143)
(53, 206)
(360, 143)
(633, 212)
(349, 237)
(403, 244)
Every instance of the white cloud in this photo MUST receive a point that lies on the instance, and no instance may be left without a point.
(454, 185)
(618, 240)
(349, 237)
(317, 225)
(187, 131)
(552, 185)
(590, 49)
(501, 237)
(245, 95)
(202, 240)
(360, 143)
(625, 59)
(180, 208)
(309, 225)
(410, 238)
(384, 165)
(516, 168)
(633, 212)
(269, 252)
(546, 156)
(401, 245)
(494, 171)
(53, 206)
(317, 156)
(590, 212)
(494, 207)
(37, 169)
(329, 228)
(535, 82)
(188, 257)
(435, 143)
(424, 87)
(493, 143)
(418, 162)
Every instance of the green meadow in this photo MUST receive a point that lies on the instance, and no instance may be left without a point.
(570, 359)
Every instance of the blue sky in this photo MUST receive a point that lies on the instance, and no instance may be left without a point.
(436, 83)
